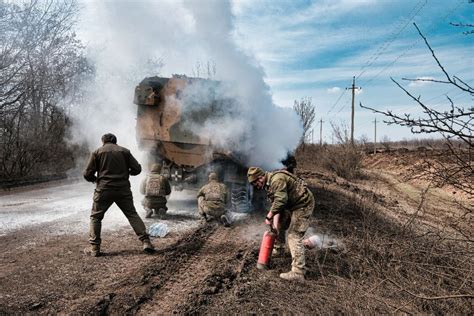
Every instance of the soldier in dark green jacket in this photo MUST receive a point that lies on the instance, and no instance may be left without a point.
(109, 167)
(287, 193)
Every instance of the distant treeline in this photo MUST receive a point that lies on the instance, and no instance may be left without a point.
(411, 144)
(41, 69)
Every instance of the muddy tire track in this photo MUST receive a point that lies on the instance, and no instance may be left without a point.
(131, 292)
(210, 272)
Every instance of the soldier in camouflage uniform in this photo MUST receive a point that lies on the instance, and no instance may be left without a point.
(287, 192)
(113, 165)
(212, 200)
(155, 187)
(285, 216)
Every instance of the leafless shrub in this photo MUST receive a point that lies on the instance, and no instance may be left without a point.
(342, 158)
(364, 143)
(386, 142)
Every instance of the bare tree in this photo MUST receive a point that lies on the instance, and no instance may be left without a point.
(40, 64)
(306, 110)
(385, 142)
(207, 69)
(454, 124)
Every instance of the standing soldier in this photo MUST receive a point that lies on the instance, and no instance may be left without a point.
(287, 192)
(113, 165)
(155, 187)
(212, 199)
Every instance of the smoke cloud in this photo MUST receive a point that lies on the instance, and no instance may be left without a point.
(128, 40)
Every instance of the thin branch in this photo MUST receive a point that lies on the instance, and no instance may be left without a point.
(444, 297)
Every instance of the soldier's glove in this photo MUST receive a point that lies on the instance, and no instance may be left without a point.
(269, 219)
(273, 221)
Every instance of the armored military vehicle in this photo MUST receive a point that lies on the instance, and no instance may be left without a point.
(170, 127)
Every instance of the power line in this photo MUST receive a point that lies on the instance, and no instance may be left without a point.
(335, 103)
(389, 41)
(411, 46)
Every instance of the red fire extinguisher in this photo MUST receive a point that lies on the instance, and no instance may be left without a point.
(266, 249)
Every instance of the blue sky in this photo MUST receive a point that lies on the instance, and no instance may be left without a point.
(314, 48)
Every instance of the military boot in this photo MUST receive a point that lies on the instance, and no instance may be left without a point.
(93, 251)
(225, 221)
(161, 213)
(149, 213)
(148, 246)
(278, 251)
(292, 275)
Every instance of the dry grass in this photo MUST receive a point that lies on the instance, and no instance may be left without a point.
(343, 159)
(394, 266)
(391, 263)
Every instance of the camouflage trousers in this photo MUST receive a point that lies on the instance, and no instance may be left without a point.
(103, 199)
(210, 208)
(155, 203)
(296, 223)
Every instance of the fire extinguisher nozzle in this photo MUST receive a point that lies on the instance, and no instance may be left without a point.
(261, 266)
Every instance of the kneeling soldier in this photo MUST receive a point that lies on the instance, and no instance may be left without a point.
(212, 199)
(155, 187)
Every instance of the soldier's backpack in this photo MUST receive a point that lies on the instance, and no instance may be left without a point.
(301, 185)
(215, 193)
(154, 186)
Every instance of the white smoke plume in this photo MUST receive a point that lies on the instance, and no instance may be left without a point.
(123, 36)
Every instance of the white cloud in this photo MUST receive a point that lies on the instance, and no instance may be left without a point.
(333, 90)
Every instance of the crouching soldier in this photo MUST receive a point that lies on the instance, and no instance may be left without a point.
(287, 192)
(212, 200)
(155, 187)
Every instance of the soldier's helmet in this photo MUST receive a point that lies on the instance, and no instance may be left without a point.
(253, 173)
(213, 176)
(156, 168)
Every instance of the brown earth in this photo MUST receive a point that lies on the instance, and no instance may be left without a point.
(395, 256)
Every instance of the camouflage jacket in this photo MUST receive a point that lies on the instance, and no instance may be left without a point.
(155, 185)
(286, 191)
(214, 192)
(113, 165)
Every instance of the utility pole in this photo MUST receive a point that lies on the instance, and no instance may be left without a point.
(353, 88)
(321, 132)
(375, 135)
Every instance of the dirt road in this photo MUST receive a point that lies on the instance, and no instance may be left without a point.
(197, 267)
(209, 269)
